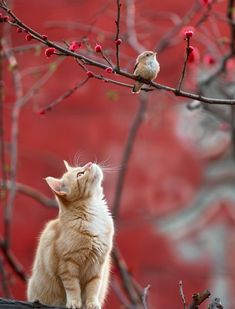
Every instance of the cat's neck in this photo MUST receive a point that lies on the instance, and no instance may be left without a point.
(82, 209)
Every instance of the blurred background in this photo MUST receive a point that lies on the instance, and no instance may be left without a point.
(175, 216)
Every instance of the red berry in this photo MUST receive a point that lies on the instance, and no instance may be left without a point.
(190, 49)
(49, 52)
(6, 18)
(90, 74)
(74, 46)
(98, 48)
(188, 34)
(209, 59)
(44, 36)
(109, 70)
(118, 41)
(19, 30)
(205, 2)
(194, 56)
(41, 112)
(28, 37)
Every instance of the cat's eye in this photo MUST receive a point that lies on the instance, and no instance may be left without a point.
(79, 174)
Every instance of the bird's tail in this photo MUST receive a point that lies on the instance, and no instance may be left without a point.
(137, 86)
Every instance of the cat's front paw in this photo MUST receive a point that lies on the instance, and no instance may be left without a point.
(93, 305)
(74, 304)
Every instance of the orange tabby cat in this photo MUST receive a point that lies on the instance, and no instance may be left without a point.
(72, 262)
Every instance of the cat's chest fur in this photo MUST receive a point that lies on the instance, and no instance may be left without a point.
(87, 240)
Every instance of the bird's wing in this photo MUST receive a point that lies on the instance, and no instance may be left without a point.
(136, 65)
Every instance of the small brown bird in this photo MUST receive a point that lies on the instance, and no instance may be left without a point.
(147, 67)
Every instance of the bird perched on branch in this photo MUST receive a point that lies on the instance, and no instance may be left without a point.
(146, 67)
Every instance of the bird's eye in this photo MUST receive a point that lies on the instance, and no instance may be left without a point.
(79, 174)
(147, 55)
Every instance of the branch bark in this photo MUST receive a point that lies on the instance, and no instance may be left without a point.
(64, 51)
(15, 304)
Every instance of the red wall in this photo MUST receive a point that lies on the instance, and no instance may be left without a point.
(164, 171)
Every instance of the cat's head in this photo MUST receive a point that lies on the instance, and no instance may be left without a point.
(78, 183)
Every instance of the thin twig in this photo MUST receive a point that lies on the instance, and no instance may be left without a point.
(64, 96)
(14, 137)
(220, 69)
(115, 82)
(166, 39)
(127, 153)
(107, 59)
(2, 137)
(33, 193)
(117, 21)
(4, 280)
(125, 276)
(145, 295)
(120, 294)
(188, 51)
(12, 261)
(182, 294)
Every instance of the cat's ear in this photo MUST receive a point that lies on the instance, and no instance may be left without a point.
(68, 167)
(56, 186)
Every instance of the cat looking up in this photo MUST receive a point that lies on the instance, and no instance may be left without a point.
(72, 263)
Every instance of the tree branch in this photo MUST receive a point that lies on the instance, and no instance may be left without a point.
(117, 34)
(64, 96)
(198, 299)
(182, 294)
(127, 153)
(33, 193)
(66, 52)
(12, 261)
(15, 304)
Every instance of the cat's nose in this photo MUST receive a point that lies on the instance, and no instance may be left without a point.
(88, 165)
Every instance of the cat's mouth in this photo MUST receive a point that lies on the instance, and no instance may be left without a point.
(95, 172)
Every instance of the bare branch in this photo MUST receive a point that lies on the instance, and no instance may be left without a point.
(166, 39)
(15, 304)
(130, 23)
(117, 34)
(145, 295)
(4, 280)
(21, 100)
(198, 299)
(125, 276)
(2, 142)
(64, 96)
(33, 193)
(127, 153)
(182, 294)
(12, 261)
(120, 294)
(14, 137)
(188, 51)
(89, 61)
(107, 59)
